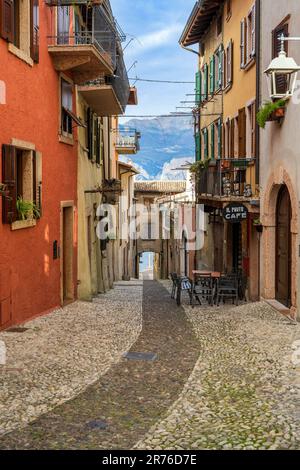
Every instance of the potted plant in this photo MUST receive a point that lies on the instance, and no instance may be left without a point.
(258, 225)
(271, 111)
(27, 210)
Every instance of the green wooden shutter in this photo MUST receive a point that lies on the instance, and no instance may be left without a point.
(198, 147)
(198, 87)
(213, 74)
(205, 135)
(205, 82)
(212, 141)
(211, 90)
(219, 138)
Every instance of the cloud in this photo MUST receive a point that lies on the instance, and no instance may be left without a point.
(158, 38)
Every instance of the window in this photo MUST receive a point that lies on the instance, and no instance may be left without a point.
(16, 15)
(205, 143)
(94, 133)
(219, 68)
(205, 82)
(248, 38)
(229, 65)
(228, 9)
(242, 133)
(22, 173)
(219, 25)
(66, 107)
(282, 29)
(198, 88)
(251, 130)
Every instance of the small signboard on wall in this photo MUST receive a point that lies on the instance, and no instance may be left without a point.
(235, 213)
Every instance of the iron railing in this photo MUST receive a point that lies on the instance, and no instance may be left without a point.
(226, 178)
(101, 31)
(128, 139)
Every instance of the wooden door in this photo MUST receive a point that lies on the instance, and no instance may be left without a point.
(67, 255)
(283, 248)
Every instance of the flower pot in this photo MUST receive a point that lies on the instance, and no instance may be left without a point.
(259, 228)
(277, 115)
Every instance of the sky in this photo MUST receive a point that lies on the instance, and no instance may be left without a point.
(157, 26)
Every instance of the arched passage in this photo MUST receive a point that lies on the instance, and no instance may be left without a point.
(280, 196)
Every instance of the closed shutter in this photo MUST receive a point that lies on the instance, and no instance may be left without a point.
(220, 67)
(223, 69)
(281, 80)
(205, 135)
(35, 30)
(219, 138)
(212, 141)
(212, 75)
(9, 174)
(90, 133)
(37, 180)
(232, 125)
(243, 44)
(7, 19)
(198, 87)
(253, 32)
(205, 84)
(230, 63)
(242, 133)
(98, 154)
(198, 146)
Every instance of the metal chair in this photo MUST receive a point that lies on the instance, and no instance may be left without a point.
(174, 279)
(228, 288)
(183, 284)
(203, 288)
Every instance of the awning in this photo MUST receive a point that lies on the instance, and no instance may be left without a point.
(199, 21)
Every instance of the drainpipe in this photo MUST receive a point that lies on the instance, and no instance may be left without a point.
(258, 86)
(190, 50)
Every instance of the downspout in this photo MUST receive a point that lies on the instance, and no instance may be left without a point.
(190, 50)
(258, 87)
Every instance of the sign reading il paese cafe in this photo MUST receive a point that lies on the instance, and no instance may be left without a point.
(235, 213)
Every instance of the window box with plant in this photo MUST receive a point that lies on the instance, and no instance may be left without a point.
(271, 111)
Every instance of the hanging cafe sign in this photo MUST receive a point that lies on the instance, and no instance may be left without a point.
(235, 213)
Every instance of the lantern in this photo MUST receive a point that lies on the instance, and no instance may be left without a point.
(282, 74)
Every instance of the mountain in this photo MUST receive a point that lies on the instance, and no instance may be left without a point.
(163, 140)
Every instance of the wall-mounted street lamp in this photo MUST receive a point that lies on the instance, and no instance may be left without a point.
(282, 73)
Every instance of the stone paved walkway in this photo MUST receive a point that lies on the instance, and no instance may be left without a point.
(132, 396)
(225, 378)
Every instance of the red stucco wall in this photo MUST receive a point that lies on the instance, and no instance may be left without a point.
(31, 113)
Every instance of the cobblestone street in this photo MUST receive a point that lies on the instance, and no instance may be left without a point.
(222, 378)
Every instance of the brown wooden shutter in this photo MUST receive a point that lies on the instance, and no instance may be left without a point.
(242, 133)
(279, 31)
(90, 133)
(98, 153)
(35, 30)
(9, 175)
(7, 19)
(232, 138)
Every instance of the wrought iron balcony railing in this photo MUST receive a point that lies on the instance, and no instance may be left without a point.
(226, 178)
(128, 141)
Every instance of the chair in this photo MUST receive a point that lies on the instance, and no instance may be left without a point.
(183, 284)
(203, 287)
(228, 288)
(174, 279)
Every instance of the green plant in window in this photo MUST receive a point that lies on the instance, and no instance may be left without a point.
(266, 110)
(27, 210)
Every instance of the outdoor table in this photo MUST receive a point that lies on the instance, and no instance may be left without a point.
(214, 274)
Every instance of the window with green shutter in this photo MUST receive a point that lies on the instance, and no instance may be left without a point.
(205, 82)
(198, 87)
(220, 67)
(205, 138)
(212, 75)
(212, 141)
(198, 147)
(219, 138)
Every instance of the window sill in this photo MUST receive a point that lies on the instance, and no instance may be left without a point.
(21, 224)
(20, 54)
(228, 88)
(65, 139)
(249, 64)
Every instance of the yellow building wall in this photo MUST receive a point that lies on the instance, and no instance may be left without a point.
(244, 81)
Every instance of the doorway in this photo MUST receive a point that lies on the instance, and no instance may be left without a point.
(67, 287)
(283, 247)
(236, 247)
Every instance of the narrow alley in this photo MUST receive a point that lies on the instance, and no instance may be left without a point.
(212, 378)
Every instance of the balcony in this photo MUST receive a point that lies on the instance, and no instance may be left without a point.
(90, 51)
(108, 96)
(227, 180)
(128, 142)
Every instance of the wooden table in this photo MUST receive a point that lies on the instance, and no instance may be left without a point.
(213, 274)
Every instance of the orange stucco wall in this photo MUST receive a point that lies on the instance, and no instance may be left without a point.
(29, 275)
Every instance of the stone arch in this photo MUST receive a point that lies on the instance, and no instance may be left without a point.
(277, 179)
